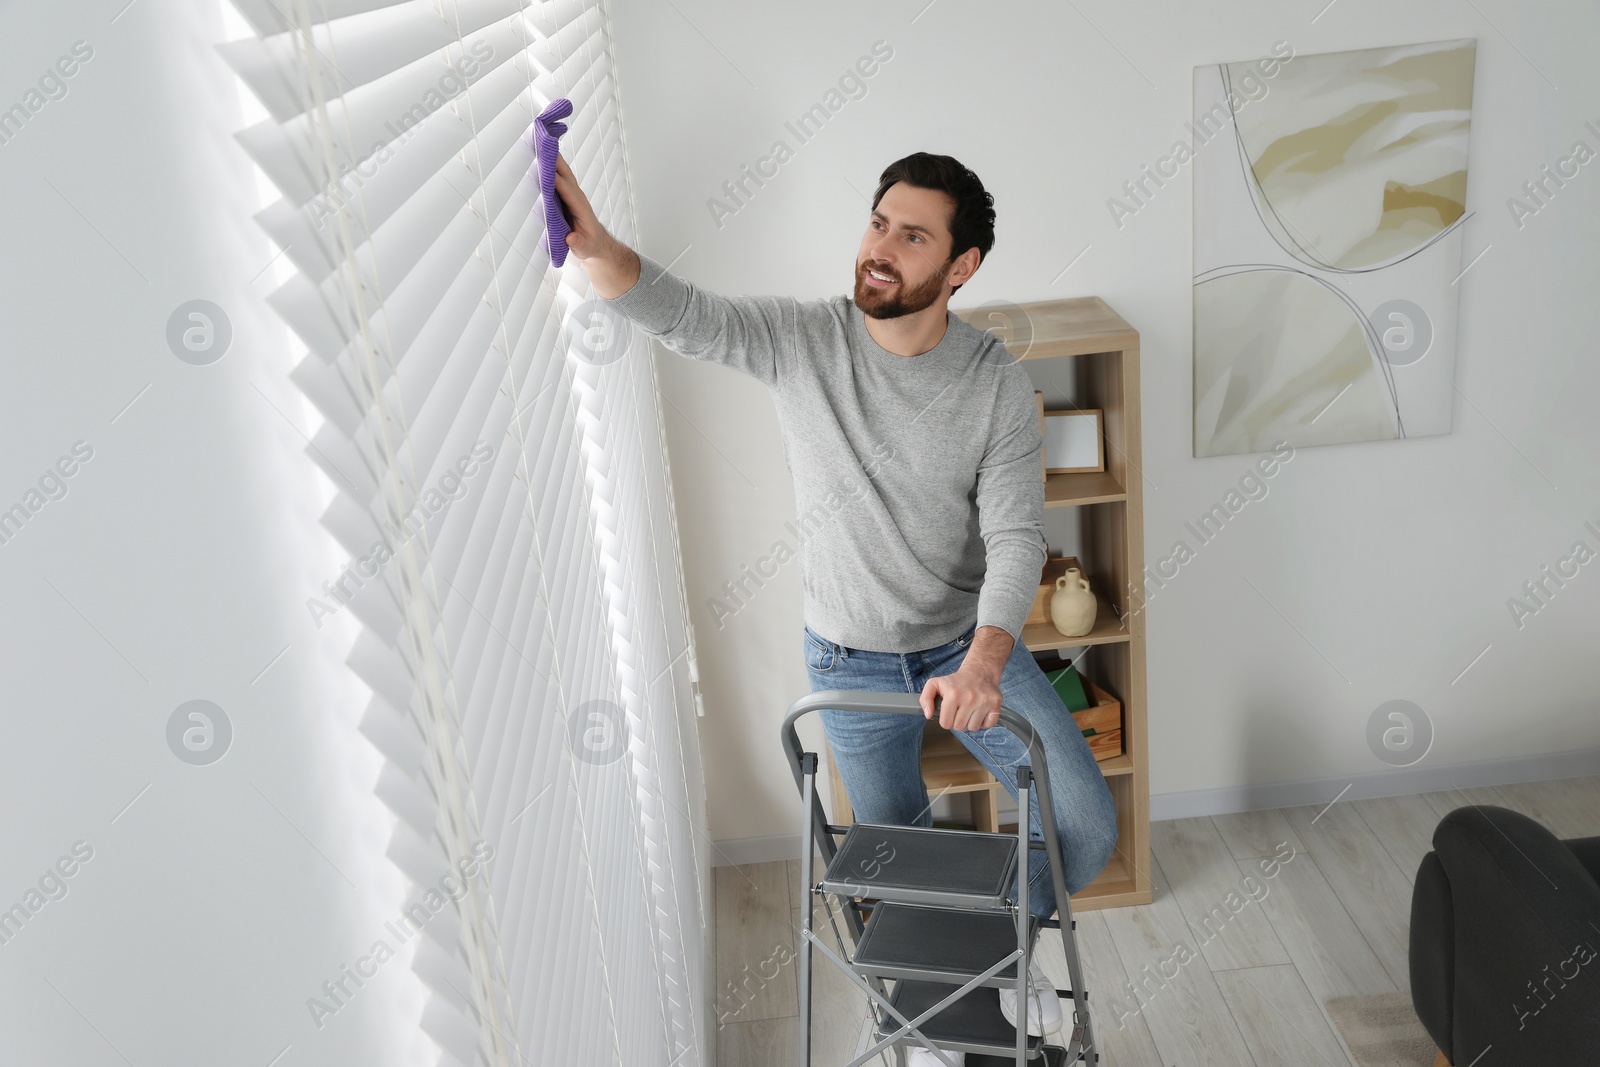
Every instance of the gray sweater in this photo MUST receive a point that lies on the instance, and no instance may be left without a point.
(917, 479)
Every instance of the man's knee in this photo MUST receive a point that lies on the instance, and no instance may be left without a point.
(1108, 845)
(1106, 823)
(1092, 850)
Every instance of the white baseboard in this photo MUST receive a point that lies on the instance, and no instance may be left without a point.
(1402, 781)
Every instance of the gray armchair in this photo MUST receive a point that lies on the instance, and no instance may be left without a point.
(1505, 942)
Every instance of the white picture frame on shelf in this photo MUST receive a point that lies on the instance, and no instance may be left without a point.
(1073, 442)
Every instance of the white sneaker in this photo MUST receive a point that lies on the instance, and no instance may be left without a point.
(1044, 1008)
(921, 1057)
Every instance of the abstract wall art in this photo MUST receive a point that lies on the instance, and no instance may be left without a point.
(1329, 198)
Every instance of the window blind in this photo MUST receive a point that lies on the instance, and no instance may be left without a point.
(504, 497)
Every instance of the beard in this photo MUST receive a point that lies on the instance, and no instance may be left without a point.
(898, 300)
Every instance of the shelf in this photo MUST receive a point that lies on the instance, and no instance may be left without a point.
(1071, 490)
(1080, 326)
(1116, 765)
(1043, 636)
(955, 773)
(948, 767)
(1113, 888)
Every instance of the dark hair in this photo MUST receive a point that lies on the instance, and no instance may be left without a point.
(972, 222)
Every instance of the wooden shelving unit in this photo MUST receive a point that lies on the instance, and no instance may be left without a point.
(1105, 375)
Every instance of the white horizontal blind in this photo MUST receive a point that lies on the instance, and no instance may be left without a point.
(527, 643)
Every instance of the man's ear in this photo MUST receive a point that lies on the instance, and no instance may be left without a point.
(963, 267)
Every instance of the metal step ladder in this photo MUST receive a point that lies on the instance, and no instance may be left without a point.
(942, 925)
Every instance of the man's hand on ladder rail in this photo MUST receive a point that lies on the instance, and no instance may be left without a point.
(966, 700)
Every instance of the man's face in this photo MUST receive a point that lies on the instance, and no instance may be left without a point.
(908, 242)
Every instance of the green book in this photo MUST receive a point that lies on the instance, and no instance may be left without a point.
(1069, 687)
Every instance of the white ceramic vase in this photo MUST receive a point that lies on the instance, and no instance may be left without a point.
(1072, 605)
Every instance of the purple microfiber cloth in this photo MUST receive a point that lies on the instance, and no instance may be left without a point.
(547, 131)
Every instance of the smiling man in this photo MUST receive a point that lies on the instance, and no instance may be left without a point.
(913, 439)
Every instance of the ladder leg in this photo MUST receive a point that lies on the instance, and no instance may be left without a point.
(1083, 1032)
(808, 767)
(1024, 790)
(1080, 1006)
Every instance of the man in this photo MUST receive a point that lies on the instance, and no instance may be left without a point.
(913, 439)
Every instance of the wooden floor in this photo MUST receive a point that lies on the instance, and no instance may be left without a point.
(1331, 921)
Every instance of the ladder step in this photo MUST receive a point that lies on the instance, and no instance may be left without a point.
(1054, 1056)
(938, 944)
(917, 865)
(973, 1024)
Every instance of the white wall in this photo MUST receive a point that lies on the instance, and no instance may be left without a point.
(218, 898)
(1392, 561)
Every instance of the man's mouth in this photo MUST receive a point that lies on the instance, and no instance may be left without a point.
(878, 280)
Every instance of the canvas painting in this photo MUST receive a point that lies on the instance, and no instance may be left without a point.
(1329, 198)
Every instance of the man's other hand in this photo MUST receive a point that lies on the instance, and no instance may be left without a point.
(969, 699)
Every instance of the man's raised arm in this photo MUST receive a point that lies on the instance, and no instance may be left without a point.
(753, 334)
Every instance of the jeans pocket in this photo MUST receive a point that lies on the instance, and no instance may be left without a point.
(820, 656)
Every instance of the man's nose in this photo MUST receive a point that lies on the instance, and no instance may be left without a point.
(876, 252)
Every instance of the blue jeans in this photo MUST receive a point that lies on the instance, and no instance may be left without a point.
(879, 755)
